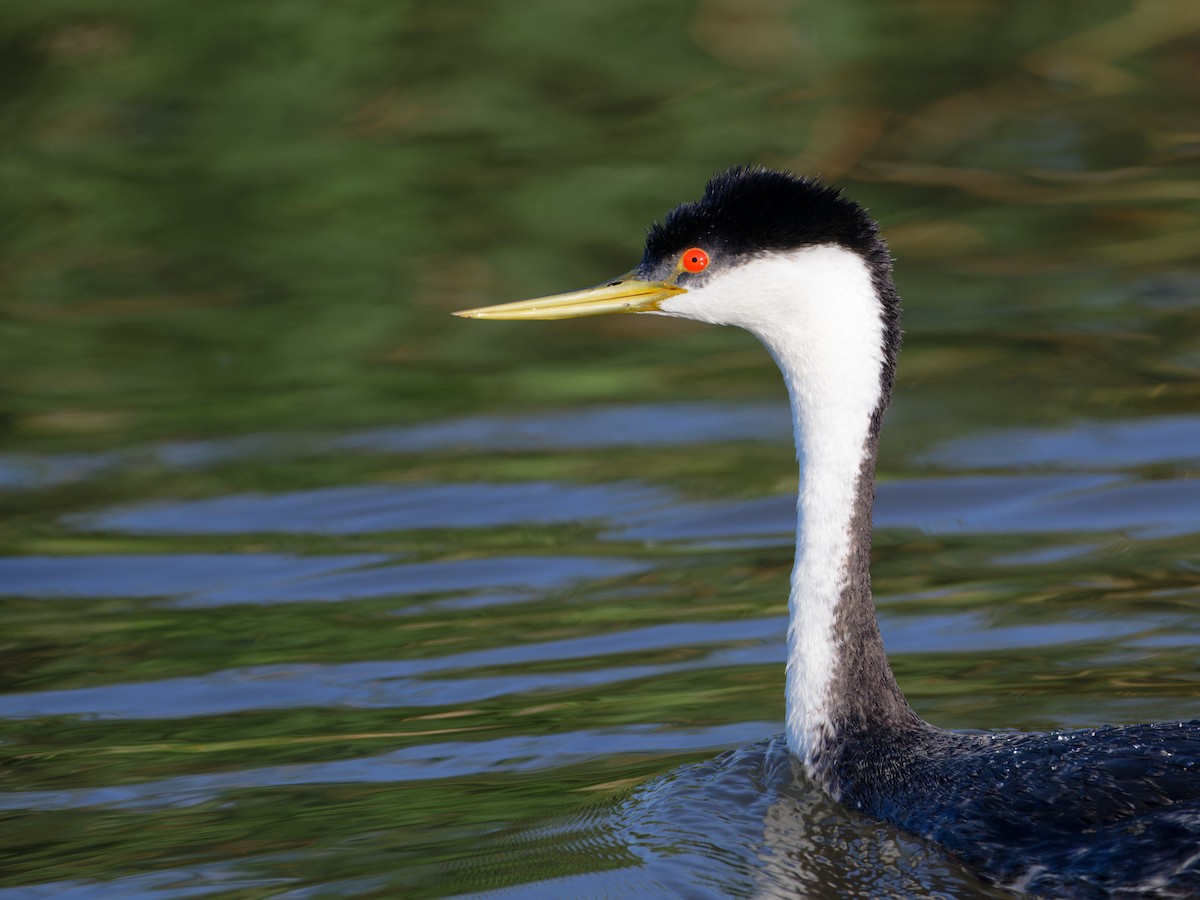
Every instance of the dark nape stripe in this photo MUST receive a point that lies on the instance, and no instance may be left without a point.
(866, 704)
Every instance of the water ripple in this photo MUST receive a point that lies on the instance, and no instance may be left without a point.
(190, 575)
(388, 684)
(367, 509)
(425, 762)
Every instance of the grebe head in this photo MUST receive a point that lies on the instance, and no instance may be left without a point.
(787, 258)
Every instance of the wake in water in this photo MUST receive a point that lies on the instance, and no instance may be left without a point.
(745, 824)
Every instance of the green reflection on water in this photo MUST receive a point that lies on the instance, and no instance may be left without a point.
(255, 218)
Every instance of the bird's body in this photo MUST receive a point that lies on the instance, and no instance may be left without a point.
(1078, 813)
(804, 269)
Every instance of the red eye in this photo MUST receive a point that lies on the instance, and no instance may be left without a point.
(694, 260)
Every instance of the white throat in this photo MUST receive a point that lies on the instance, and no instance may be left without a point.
(818, 313)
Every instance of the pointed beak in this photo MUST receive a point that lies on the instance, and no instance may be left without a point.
(625, 295)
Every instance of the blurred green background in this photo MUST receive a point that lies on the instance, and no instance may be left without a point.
(256, 216)
(231, 235)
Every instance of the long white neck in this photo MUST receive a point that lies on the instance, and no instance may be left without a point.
(819, 312)
(831, 360)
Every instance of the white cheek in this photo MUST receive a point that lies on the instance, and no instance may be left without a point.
(701, 304)
(815, 309)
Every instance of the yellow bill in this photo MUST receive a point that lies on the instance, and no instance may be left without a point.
(628, 295)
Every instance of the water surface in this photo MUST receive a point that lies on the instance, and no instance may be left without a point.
(308, 589)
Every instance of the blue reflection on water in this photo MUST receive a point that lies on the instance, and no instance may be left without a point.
(1085, 445)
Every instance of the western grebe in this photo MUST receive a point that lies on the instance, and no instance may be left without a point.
(1114, 810)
